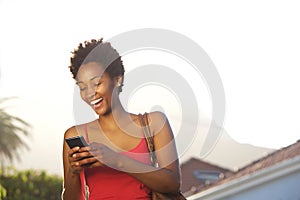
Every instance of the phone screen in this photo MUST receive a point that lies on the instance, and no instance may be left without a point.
(76, 141)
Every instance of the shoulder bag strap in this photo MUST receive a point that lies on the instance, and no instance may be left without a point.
(148, 136)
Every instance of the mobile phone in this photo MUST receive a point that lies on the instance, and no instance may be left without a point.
(77, 141)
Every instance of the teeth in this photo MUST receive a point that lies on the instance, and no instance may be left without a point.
(96, 101)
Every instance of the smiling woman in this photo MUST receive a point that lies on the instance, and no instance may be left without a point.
(93, 82)
(116, 163)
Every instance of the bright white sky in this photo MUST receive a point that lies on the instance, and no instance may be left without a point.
(255, 46)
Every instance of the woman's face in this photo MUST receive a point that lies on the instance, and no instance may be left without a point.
(96, 87)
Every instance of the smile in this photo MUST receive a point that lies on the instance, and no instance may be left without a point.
(96, 102)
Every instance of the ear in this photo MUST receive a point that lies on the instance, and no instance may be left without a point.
(119, 81)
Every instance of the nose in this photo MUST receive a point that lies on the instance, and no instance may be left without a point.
(90, 94)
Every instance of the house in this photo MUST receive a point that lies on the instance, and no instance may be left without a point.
(196, 172)
(275, 176)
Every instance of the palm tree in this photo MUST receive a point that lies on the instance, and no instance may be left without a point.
(11, 131)
(11, 128)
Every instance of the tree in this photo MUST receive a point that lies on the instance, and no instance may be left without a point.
(30, 185)
(11, 131)
(2, 192)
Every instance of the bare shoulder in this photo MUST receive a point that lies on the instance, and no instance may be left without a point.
(73, 131)
(79, 129)
(157, 117)
(158, 121)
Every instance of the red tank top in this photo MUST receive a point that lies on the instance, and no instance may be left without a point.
(108, 183)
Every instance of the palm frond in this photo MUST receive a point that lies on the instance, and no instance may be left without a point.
(12, 129)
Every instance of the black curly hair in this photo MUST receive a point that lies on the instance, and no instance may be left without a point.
(99, 52)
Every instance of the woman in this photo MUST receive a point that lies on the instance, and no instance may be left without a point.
(116, 164)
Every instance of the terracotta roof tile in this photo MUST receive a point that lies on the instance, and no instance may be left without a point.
(189, 181)
(274, 158)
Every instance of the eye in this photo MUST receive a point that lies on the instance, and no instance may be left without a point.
(82, 89)
(98, 84)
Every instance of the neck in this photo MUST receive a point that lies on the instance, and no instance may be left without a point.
(115, 118)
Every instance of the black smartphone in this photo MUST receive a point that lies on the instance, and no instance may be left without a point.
(77, 141)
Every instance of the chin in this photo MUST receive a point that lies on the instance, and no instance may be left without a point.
(102, 112)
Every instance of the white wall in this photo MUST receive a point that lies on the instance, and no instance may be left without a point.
(285, 188)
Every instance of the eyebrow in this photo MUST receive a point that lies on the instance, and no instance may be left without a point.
(98, 76)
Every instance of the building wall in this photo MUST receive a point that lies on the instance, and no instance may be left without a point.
(284, 188)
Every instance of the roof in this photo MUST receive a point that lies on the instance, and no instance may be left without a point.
(272, 159)
(204, 164)
(194, 166)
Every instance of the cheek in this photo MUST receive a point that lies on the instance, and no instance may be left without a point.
(83, 96)
(100, 90)
(104, 89)
(86, 94)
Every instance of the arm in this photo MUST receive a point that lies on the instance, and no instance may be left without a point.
(72, 183)
(166, 178)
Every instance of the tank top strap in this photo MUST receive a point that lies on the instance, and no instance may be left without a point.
(83, 185)
(86, 133)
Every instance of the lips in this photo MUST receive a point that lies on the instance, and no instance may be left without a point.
(97, 102)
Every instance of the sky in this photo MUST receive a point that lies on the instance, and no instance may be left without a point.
(254, 45)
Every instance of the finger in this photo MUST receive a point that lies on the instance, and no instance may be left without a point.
(96, 164)
(83, 149)
(95, 145)
(72, 151)
(86, 161)
(81, 155)
(74, 168)
(97, 153)
(72, 159)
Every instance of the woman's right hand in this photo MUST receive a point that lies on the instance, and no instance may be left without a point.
(74, 158)
(72, 180)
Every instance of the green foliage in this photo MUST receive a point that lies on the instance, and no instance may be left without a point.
(11, 131)
(30, 185)
(2, 192)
